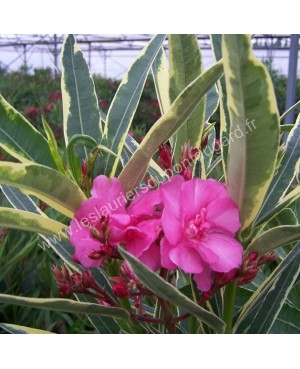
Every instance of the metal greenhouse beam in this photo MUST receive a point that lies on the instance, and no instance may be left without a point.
(292, 78)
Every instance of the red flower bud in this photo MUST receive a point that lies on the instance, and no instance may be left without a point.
(268, 258)
(165, 156)
(120, 290)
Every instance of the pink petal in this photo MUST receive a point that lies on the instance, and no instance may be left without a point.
(109, 190)
(222, 213)
(186, 258)
(170, 191)
(139, 238)
(171, 226)
(228, 249)
(196, 194)
(203, 279)
(84, 245)
(165, 248)
(151, 257)
(144, 204)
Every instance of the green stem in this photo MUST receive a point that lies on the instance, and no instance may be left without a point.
(229, 300)
(193, 322)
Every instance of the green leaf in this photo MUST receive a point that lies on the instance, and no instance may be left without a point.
(260, 312)
(20, 329)
(163, 129)
(53, 147)
(295, 106)
(287, 322)
(285, 217)
(216, 41)
(46, 184)
(168, 292)
(68, 306)
(20, 139)
(209, 149)
(125, 102)
(80, 103)
(212, 102)
(26, 221)
(103, 324)
(286, 127)
(284, 175)
(185, 66)
(19, 200)
(160, 75)
(285, 202)
(154, 169)
(254, 116)
(273, 238)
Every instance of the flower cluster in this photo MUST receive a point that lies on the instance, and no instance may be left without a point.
(185, 224)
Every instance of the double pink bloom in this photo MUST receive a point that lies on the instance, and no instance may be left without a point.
(184, 224)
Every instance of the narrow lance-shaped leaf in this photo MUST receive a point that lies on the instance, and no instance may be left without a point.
(80, 103)
(53, 147)
(26, 221)
(209, 149)
(168, 292)
(20, 139)
(185, 66)
(275, 237)
(260, 312)
(212, 102)
(20, 329)
(160, 75)
(216, 41)
(285, 202)
(46, 184)
(254, 116)
(125, 102)
(163, 129)
(287, 322)
(284, 175)
(154, 169)
(130, 147)
(69, 306)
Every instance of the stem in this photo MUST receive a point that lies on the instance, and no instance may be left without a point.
(193, 322)
(229, 300)
(147, 319)
(168, 319)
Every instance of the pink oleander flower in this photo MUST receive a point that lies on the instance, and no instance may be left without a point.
(199, 221)
(55, 96)
(32, 112)
(99, 223)
(142, 234)
(48, 107)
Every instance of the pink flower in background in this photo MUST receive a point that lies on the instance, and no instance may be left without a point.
(32, 112)
(55, 96)
(199, 221)
(99, 223)
(48, 107)
(141, 236)
(130, 133)
(103, 103)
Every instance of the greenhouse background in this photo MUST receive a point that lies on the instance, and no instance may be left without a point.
(110, 55)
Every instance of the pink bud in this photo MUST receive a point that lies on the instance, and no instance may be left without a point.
(165, 156)
(120, 290)
(268, 258)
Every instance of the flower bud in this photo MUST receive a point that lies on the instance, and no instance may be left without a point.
(165, 156)
(120, 290)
